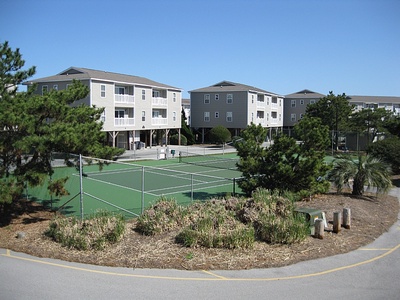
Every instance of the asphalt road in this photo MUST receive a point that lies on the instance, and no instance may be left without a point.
(371, 272)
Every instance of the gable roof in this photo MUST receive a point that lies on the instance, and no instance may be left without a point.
(305, 94)
(85, 74)
(229, 86)
(373, 99)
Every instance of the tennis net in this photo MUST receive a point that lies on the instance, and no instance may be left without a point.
(226, 161)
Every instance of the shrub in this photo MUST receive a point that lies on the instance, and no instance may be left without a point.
(165, 215)
(96, 232)
(387, 150)
(174, 140)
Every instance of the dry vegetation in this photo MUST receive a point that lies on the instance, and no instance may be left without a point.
(371, 217)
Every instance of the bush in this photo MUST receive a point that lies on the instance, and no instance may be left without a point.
(387, 150)
(96, 232)
(220, 135)
(226, 223)
(165, 215)
(174, 140)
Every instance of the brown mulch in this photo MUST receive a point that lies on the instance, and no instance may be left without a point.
(371, 216)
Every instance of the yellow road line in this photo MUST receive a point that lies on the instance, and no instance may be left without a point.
(215, 276)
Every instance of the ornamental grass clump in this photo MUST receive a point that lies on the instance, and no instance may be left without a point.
(163, 216)
(94, 233)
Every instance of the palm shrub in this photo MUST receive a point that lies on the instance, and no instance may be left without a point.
(363, 171)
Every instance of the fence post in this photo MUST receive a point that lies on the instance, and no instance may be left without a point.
(234, 186)
(337, 221)
(346, 218)
(81, 184)
(142, 189)
(191, 187)
(319, 228)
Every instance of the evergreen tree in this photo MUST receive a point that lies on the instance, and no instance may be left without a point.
(286, 165)
(334, 112)
(33, 127)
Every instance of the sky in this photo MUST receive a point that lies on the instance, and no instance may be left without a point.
(282, 46)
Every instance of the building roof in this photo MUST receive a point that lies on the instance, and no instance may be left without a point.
(228, 86)
(85, 74)
(305, 94)
(374, 99)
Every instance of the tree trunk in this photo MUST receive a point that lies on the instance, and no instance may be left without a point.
(358, 186)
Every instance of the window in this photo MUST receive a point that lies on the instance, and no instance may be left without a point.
(206, 116)
(301, 102)
(252, 98)
(280, 117)
(312, 101)
(216, 97)
(103, 116)
(156, 114)
(174, 116)
(280, 102)
(55, 87)
(156, 94)
(103, 91)
(217, 114)
(267, 117)
(174, 97)
(68, 85)
(293, 103)
(229, 116)
(301, 116)
(143, 95)
(119, 114)
(119, 90)
(274, 114)
(207, 99)
(45, 89)
(293, 117)
(229, 98)
(143, 115)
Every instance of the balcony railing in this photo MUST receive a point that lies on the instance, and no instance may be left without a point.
(261, 104)
(274, 121)
(159, 101)
(274, 105)
(129, 99)
(260, 121)
(124, 121)
(159, 121)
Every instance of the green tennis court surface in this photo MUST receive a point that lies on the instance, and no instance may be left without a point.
(129, 188)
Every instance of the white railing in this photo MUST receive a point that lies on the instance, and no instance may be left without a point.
(159, 121)
(261, 104)
(274, 105)
(274, 121)
(124, 98)
(159, 101)
(124, 121)
(260, 121)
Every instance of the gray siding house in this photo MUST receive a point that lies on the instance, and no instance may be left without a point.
(295, 106)
(234, 106)
(137, 109)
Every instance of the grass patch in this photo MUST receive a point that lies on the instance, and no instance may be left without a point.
(226, 223)
(95, 232)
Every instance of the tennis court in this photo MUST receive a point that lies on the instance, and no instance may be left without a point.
(129, 188)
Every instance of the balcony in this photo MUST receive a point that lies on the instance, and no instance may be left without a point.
(159, 121)
(260, 121)
(159, 101)
(127, 99)
(274, 105)
(124, 121)
(260, 104)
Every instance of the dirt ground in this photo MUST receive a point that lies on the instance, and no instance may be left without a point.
(371, 216)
